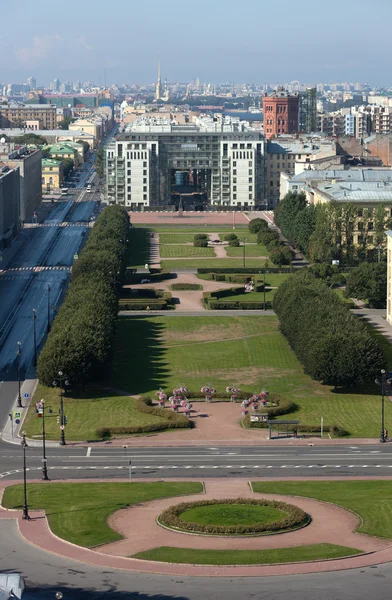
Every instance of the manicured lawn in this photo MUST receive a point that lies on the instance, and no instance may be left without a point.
(274, 279)
(78, 512)
(371, 500)
(250, 250)
(231, 514)
(248, 352)
(85, 414)
(252, 296)
(179, 251)
(175, 238)
(246, 557)
(138, 247)
(212, 263)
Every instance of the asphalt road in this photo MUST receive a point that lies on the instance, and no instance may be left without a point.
(45, 574)
(200, 463)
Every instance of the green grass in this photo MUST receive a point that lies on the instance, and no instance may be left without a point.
(251, 296)
(250, 250)
(178, 251)
(212, 263)
(175, 238)
(196, 351)
(78, 512)
(246, 557)
(85, 414)
(371, 500)
(231, 514)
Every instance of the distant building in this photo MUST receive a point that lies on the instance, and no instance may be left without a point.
(280, 113)
(9, 205)
(52, 174)
(18, 115)
(29, 163)
(307, 110)
(32, 82)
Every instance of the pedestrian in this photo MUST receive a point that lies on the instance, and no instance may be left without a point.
(386, 435)
(146, 266)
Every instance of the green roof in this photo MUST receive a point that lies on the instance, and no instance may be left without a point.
(50, 162)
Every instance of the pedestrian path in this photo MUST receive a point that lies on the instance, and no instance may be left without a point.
(155, 257)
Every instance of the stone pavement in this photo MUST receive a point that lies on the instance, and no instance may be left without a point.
(340, 523)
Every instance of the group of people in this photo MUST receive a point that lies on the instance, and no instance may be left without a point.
(250, 286)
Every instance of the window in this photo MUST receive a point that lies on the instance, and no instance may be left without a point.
(250, 188)
(144, 188)
(250, 196)
(234, 196)
(234, 188)
(250, 179)
(242, 146)
(145, 180)
(144, 173)
(370, 226)
(234, 171)
(144, 196)
(235, 164)
(360, 226)
(250, 172)
(145, 164)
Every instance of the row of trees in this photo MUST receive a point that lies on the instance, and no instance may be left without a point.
(332, 344)
(81, 340)
(326, 232)
(279, 252)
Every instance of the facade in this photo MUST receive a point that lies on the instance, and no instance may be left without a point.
(389, 276)
(29, 163)
(92, 126)
(54, 135)
(17, 115)
(280, 113)
(52, 174)
(9, 205)
(290, 154)
(222, 160)
(307, 111)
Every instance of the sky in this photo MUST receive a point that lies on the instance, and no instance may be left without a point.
(251, 41)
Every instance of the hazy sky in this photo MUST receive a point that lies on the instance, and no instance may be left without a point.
(216, 40)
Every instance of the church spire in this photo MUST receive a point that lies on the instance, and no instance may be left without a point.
(158, 88)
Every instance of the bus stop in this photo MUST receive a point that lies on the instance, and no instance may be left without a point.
(285, 428)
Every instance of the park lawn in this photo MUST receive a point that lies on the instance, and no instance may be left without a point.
(228, 515)
(176, 238)
(248, 352)
(179, 251)
(213, 263)
(84, 413)
(251, 296)
(371, 500)
(78, 512)
(138, 247)
(250, 250)
(274, 279)
(246, 557)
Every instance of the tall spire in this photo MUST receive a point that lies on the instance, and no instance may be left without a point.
(158, 88)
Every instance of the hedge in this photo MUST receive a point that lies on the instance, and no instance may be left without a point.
(334, 430)
(145, 405)
(257, 225)
(241, 270)
(142, 304)
(81, 339)
(238, 305)
(186, 286)
(333, 345)
(230, 236)
(295, 518)
(131, 276)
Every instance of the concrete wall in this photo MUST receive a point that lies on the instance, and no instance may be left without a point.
(9, 206)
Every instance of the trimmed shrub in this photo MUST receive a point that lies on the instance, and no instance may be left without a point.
(142, 304)
(281, 256)
(293, 517)
(230, 236)
(219, 277)
(200, 236)
(265, 237)
(186, 286)
(257, 225)
(200, 243)
(234, 243)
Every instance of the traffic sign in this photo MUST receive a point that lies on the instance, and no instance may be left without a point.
(26, 395)
(17, 414)
(17, 421)
(62, 427)
(76, 256)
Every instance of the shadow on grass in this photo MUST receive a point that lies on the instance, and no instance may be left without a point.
(138, 362)
(138, 247)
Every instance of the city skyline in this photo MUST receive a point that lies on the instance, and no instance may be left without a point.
(217, 42)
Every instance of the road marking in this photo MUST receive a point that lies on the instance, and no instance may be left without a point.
(88, 451)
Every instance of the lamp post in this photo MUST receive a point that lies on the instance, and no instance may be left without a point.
(48, 324)
(62, 418)
(25, 507)
(382, 381)
(35, 336)
(44, 459)
(243, 240)
(19, 352)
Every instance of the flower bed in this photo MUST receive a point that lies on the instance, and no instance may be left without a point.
(293, 517)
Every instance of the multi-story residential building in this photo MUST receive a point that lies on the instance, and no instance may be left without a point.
(52, 174)
(32, 82)
(63, 151)
(280, 113)
(18, 115)
(291, 154)
(307, 110)
(9, 205)
(222, 157)
(331, 124)
(29, 163)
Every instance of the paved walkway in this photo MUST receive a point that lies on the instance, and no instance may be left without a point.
(155, 258)
(376, 318)
(335, 525)
(219, 249)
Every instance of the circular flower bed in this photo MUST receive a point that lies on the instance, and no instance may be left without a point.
(234, 516)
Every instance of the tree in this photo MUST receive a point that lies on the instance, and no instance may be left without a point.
(257, 225)
(368, 282)
(65, 123)
(30, 139)
(281, 256)
(86, 146)
(99, 162)
(68, 165)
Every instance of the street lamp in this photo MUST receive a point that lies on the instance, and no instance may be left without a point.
(382, 381)
(62, 419)
(44, 459)
(49, 324)
(243, 240)
(18, 355)
(35, 336)
(25, 507)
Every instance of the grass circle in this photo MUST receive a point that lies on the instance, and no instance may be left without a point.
(234, 516)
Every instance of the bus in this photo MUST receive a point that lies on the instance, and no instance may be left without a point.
(64, 191)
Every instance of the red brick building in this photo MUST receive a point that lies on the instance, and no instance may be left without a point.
(280, 113)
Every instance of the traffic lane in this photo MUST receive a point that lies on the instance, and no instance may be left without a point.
(83, 211)
(22, 327)
(33, 251)
(59, 212)
(12, 286)
(46, 573)
(67, 245)
(8, 392)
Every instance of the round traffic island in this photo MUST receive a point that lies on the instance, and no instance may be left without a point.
(234, 517)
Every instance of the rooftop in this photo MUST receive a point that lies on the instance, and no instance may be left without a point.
(358, 191)
(355, 174)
